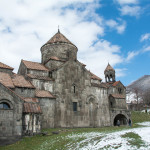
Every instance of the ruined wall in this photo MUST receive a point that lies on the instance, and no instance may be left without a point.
(31, 123)
(48, 112)
(10, 119)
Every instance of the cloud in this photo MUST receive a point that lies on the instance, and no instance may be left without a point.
(131, 55)
(130, 10)
(99, 55)
(145, 36)
(146, 49)
(123, 2)
(26, 25)
(119, 26)
(120, 72)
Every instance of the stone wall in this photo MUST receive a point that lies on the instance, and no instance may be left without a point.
(92, 102)
(38, 72)
(63, 51)
(25, 92)
(52, 64)
(48, 112)
(43, 84)
(10, 119)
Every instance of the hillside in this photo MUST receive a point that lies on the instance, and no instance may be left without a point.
(142, 83)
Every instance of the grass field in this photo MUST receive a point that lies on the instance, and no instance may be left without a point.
(68, 138)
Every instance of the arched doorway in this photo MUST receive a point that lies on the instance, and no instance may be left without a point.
(121, 118)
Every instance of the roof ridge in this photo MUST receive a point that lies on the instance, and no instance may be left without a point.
(2, 65)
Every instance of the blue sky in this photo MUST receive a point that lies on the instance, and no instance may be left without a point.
(114, 31)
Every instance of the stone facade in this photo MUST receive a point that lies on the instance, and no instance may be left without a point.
(59, 92)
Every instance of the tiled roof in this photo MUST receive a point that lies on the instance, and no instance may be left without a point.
(34, 65)
(99, 85)
(82, 63)
(6, 80)
(31, 100)
(5, 66)
(43, 94)
(94, 77)
(19, 81)
(59, 38)
(115, 83)
(119, 96)
(39, 77)
(32, 108)
(109, 67)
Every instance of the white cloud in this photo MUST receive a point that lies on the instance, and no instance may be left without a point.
(120, 72)
(99, 55)
(122, 2)
(145, 36)
(131, 55)
(26, 25)
(130, 10)
(146, 49)
(118, 25)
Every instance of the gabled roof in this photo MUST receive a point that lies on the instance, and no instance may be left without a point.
(94, 77)
(4, 66)
(59, 38)
(31, 108)
(43, 94)
(118, 96)
(32, 76)
(99, 85)
(109, 68)
(34, 65)
(20, 81)
(6, 80)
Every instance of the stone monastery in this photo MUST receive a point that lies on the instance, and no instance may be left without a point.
(58, 92)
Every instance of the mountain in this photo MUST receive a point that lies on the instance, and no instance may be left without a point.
(142, 83)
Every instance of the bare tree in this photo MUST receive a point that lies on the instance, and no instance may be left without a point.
(146, 98)
(137, 95)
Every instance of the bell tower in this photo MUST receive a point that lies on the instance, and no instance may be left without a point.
(109, 74)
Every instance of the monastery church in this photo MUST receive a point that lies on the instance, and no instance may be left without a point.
(58, 92)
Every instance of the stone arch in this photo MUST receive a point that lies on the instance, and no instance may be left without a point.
(122, 118)
(7, 102)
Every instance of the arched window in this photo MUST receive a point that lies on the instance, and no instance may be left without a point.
(4, 105)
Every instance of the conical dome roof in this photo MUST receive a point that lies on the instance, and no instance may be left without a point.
(59, 38)
(109, 68)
